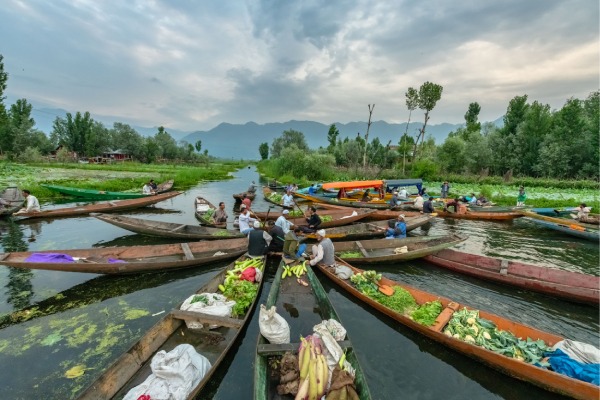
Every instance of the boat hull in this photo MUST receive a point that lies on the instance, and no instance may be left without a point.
(91, 194)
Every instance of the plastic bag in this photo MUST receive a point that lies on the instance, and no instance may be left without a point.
(207, 303)
(343, 272)
(333, 327)
(258, 276)
(174, 374)
(273, 326)
(249, 274)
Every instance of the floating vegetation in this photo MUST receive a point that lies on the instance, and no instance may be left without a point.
(135, 314)
(350, 254)
(76, 371)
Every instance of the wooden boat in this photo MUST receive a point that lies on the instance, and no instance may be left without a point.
(13, 196)
(136, 258)
(574, 286)
(168, 229)
(368, 229)
(202, 207)
(133, 367)
(570, 228)
(338, 217)
(557, 220)
(109, 206)
(310, 306)
(552, 212)
(491, 216)
(92, 194)
(538, 376)
(346, 201)
(240, 196)
(267, 193)
(379, 251)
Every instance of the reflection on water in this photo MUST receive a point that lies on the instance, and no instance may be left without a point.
(89, 320)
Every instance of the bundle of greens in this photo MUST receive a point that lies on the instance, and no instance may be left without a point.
(243, 293)
(326, 218)
(427, 313)
(209, 213)
(275, 197)
(401, 301)
(466, 325)
(296, 214)
(221, 232)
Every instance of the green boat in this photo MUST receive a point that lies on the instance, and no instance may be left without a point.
(92, 194)
(302, 307)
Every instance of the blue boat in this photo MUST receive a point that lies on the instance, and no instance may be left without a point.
(569, 229)
(553, 212)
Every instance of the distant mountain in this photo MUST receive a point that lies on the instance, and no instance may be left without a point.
(242, 141)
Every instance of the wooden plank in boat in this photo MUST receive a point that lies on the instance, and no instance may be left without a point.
(178, 228)
(186, 250)
(207, 319)
(362, 249)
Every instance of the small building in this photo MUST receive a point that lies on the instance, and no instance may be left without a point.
(116, 155)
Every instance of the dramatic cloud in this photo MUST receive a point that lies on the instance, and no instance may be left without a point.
(192, 65)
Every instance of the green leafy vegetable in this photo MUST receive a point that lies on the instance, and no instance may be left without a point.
(427, 313)
(243, 293)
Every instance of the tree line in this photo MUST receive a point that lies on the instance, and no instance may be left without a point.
(79, 133)
(534, 141)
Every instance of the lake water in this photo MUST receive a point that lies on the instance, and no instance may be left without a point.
(86, 319)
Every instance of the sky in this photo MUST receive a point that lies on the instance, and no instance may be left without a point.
(191, 65)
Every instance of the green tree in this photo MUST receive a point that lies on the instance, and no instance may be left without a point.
(288, 138)
(471, 118)
(18, 129)
(429, 94)
(263, 149)
(3, 79)
(529, 136)
(73, 132)
(451, 155)
(167, 146)
(125, 138)
(412, 102)
(198, 146)
(332, 136)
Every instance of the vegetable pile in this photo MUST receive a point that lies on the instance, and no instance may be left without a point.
(427, 313)
(239, 285)
(296, 214)
(209, 213)
(221, 232)
(326, 218)
(297, 270)
(467, 326)
(275, 197)
(350, 254)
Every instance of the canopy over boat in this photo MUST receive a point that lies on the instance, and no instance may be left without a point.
(391, 184)
(353, 184)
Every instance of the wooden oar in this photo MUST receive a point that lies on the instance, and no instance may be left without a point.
(385, 289)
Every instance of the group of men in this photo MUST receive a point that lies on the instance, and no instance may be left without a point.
(419, 204)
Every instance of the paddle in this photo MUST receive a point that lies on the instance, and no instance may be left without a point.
(385, 289)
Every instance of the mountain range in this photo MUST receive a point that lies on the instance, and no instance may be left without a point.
(241, 141)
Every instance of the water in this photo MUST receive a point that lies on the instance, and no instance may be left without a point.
(68, 319)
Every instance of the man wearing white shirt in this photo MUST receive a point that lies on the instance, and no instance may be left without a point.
(283, 222)
(287, 199)
(33, 205)
(403, 194)
(244, 220)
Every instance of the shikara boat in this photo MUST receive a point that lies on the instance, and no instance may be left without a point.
(573, 286)
(538, 376)
(379, 251)
(376, 215)
(240, 196)
(133, 367)
(13, 196)
(130, 260)
(366, 230)
(108, 206)
(267, 193)
(338, 217)
(92, 194)
(490, 216)
(569, 227)
(168, 229)
(346, 201)
(203, 214)
(310, 306)
(560, 221)
(552, 212)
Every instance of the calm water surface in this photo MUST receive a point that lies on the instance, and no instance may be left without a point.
(86, 319)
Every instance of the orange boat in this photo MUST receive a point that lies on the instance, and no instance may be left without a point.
(544, 378)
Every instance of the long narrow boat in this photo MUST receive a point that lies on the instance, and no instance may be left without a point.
(240, 196)
(538, 376)
(128, 260)
(109, 206)
(376, 215)
(569, 228)
(379, 251)
(345, 201)
(133, 367)
(204, 210)
(272, 197)
(574, 286)
(13, 196)
(168, 229)
(93, 194)
(310, 306)
(366, 230)
(329, 219)
(490, 216)
(558, 220)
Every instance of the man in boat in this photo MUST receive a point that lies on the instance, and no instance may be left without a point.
(287, 199)
(397, 229)
(278, 236)
(252, 188)
(33, 205)
(258, 241)
(459, 208)
(313, 221)
(403, 194)
(394, 201)
(147, 188)
(366, 198)
(220, 215)
(323, 252)
(153, 185)
(292, 248)
(583, 214)
(472, 200)
(247, 202)
(423, 192)
(482, 200)
(283, 222)
(312, 190)
(245, 220)
(428, 206)
(418, 204)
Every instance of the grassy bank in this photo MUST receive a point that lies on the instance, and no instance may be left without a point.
(111, 177)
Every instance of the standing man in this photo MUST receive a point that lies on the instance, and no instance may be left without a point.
(220, 215)
(445, 190)
(323, 252)
(283, 222)
(521, 197)
(245, 219)
(287, 199)
(258, 241)
(33, 205)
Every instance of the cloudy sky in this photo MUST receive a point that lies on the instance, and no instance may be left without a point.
(191, 65)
